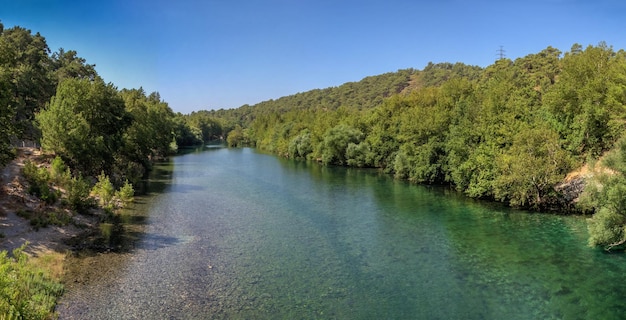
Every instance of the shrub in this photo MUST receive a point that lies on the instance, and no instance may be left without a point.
(78, 194)
(38, 180)
(104, 191)
(126, 193)
(59, 172)
(26, 292)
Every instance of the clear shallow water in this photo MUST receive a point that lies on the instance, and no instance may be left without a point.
(235, 234)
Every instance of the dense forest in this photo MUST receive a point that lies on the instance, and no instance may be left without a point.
(510, 132)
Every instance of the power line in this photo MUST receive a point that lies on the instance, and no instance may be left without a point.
(501, 53)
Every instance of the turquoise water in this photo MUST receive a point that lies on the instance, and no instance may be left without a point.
(236, 234)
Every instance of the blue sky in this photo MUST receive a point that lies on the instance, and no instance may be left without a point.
(226, 53)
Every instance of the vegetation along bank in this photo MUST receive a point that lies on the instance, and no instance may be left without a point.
(542, 132)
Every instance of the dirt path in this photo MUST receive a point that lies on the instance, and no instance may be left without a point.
(16, 230)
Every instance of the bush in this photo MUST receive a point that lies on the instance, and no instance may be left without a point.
(38, 179)
(606, 194)
(108, 197)
(126, 193)
(42, 219)
(78, 194)
(336, 142)
(59, 172)
(104, 191)
(26, 292)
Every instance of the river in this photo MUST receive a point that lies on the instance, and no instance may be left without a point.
(238, 234)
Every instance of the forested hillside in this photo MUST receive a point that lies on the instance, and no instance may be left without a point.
(508, 132)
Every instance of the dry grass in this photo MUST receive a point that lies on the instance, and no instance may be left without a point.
(50, 261)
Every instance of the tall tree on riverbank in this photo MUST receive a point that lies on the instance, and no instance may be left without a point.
(24, 59)
(150, 135)
(6, 119)
(84, 124)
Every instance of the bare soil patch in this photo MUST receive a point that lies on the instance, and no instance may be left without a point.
(15, 230)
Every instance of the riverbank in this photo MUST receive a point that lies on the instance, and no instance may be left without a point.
(15, 230)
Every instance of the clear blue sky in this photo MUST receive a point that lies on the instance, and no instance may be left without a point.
(223, 54)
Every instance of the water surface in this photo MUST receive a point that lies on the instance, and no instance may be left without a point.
(235, 234)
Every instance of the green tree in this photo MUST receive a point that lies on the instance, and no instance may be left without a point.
(184, 134)
(67, 64)
(384, 123)
(300, 146)
(586, 105)
(7, 114)
(207, 125)
(529, 170)
(336, 142)
(149, 136)
(84, 124)
(606, 195)
(236, 137)
(24, 59)
(77, 193)
(359, 154)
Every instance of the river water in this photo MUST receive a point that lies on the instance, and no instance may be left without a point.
(237, 234)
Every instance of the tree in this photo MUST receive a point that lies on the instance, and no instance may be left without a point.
(529, 170)
(586, 105)
(236, 137)
(184, 134)
(607, 227)
(84, 124)
(150, 134)
(7, 113)
(300, 146)
(336, 143)
(67, 64)
(606, 195)
(358, 154)
(24, 59)
(209, 128)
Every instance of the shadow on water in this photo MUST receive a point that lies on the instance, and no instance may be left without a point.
(212, 145)
(123, 231)
(185, 188)
(158, 241)
(102, 257)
